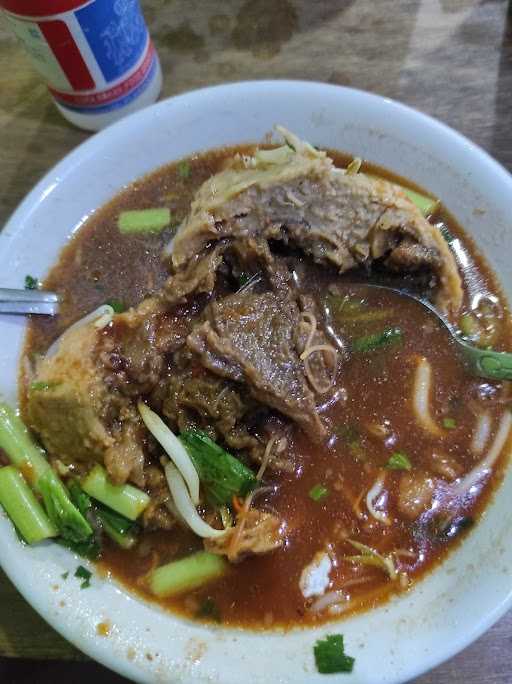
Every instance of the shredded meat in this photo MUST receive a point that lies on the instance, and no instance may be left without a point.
(262, 533)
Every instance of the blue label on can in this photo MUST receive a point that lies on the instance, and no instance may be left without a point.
(116, 33)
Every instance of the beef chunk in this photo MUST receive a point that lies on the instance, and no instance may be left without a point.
(133, 350)
(249, 256)
(262, 533)
(197, 398)
(251, 339)
(199, 276)
(298, 197)
(125, 459)
(157, 516)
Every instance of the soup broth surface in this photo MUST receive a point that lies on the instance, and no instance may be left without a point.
(325, 500)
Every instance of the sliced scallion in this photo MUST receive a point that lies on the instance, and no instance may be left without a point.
(144, 220)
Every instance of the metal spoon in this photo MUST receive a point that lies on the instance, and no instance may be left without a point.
(28, 302)
(483, 363)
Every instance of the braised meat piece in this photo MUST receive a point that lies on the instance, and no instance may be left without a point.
(296, 195)
(250, 339)
(133, 349)
(199, 276)
(197, 398)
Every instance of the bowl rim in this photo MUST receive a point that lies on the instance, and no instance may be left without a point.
(120, 129)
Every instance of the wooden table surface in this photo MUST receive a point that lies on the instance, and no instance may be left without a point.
(450, 58)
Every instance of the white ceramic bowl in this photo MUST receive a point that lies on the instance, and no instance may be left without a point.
(412, 633)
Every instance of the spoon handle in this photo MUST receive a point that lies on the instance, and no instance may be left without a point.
(28, 302)
(486, 363)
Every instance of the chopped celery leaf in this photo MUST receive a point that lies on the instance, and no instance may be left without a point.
(85, 575)
(184, 170)
(449, 423)
(43, 386)
(117, 305)
(386, 338)
(31, 283)
(209, 610)
(221, 474)
(318, 492)
(243, 279)
(399, 461)
(330, 655)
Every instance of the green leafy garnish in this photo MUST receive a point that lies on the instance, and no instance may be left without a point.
(71, 524)
(31, 283)
(116, 526)
(222, 475)
(89, 548)
(330, 656)
(243, 279)
(209, 610)
(386, 338)
(318, 492)
(83, 574)
(183, 170)
(65, 575)
(449, 423)
(117, 305)
(399, 461)
(43, 386)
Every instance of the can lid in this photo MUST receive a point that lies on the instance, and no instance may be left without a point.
(41, 8)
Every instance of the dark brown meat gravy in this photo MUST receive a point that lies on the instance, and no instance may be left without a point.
(370, 420)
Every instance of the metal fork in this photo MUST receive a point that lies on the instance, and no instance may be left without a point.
(28, 302)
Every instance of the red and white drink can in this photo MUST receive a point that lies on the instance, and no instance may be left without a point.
(96, 56)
